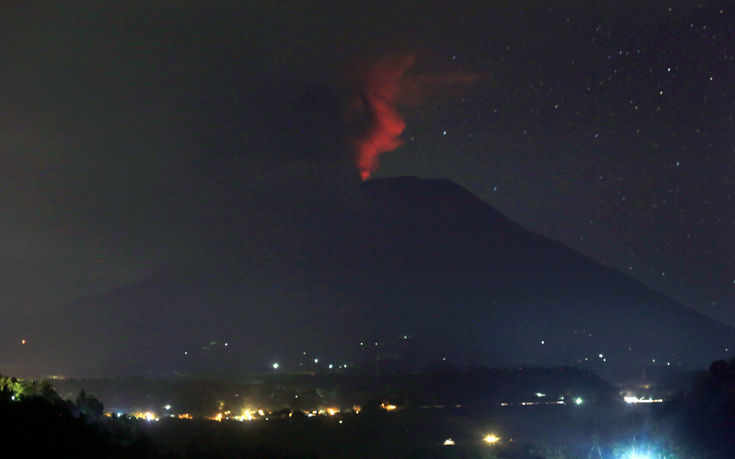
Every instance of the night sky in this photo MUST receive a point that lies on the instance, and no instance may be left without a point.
(608, 127)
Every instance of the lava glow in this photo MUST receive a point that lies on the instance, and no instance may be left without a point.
(376, 106)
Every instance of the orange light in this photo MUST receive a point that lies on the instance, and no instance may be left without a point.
(388, 406)
(147, 415)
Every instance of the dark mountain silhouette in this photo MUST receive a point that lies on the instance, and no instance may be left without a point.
(422, 267)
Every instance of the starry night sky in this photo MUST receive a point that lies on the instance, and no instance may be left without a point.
(609, 127)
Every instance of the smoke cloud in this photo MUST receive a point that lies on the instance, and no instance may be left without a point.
(376, 124)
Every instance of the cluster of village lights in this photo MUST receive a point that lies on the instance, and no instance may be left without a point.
(276, 365)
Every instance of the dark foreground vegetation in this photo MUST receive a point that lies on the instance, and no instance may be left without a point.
(698, 423)
(36, 422)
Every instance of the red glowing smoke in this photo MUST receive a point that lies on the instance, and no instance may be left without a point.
(376, 114)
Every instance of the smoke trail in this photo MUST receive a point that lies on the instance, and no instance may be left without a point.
(373, 113)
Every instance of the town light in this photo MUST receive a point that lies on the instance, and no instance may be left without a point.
(491, 439)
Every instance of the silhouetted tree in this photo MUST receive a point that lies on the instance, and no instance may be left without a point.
(89, 406)
(702, 422)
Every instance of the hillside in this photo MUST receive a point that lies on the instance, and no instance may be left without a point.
(422, 267)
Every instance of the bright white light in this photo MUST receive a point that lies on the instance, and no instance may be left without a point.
(448, 442)
(167, 407)
(636, 453)
(578, 401)
(540, 394)
(275, 365)
(316, 360)
(331, 366)
(632, 399)
(148, 416)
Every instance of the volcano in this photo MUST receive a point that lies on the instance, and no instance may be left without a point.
(413, 270)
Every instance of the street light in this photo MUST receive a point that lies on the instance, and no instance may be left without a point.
(491, 439)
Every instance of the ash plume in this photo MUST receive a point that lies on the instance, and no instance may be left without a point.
(376, 124)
